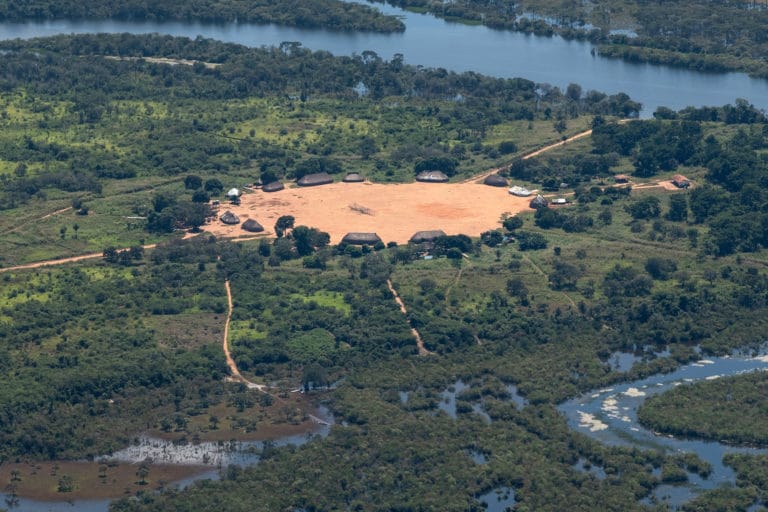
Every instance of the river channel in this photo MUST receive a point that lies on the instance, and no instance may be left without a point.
(432, 42)
(610, 416)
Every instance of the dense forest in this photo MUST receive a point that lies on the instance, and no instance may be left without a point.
(730, 408)
(706, 35)
(331, 14)
(102, 147)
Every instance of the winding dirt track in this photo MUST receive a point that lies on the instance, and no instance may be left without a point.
(419, 342)
(236, 376)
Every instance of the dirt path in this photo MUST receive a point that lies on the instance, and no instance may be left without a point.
(236, 376)
(419, 342)
(532, 154)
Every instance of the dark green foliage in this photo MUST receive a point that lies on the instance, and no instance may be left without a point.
(648, 207)
(729, 408)
(321, 13)
(530, 241)
(678, 208)
(660, 268)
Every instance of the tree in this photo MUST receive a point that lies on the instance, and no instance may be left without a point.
(512, 223)
(527, 241)
(646, 208)
(75, 228)
(63, 232)
(307, 240)
(193, 182)
(142, 473)
(678, 208)
(214, 186)
(283, 224)
(565, 276)
(110, 255)
(200, 196)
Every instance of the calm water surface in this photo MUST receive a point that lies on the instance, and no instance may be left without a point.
(431, 42)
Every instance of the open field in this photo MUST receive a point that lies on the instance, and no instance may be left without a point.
(395, 212)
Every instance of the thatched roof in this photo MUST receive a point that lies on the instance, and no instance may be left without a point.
(229, 218)
(621, 178)
(252, 226)
(273, 187)
(495, 180)
(426, 236)
(311, 180)
(361, 239)
(432, 177)
(353, 177)
(539, 202)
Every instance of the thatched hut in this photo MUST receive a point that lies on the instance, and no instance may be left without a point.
(252, 226)
(681, 181)
(621, 178)
(432, 177)
(539, 202)
(229, 218)
(421, 237)
(495, 180)
(353, 177)
(273, 187)
(361, 239)
(312, 180)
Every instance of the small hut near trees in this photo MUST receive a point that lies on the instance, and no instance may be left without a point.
(495, 180)
(273, 187)
(681, 181)
(312, 180)
(353, 177)
(539, 202)
(361, 239)
(421, 237)
(621, 178)
(432, 177)
(229, 218)
(252, 226)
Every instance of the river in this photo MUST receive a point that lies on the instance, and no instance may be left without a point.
(432, 42)
(610, 416)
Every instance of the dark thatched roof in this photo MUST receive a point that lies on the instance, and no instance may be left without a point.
(252, 226)
(229, 218)
(539, 202)
(426, 236)
(311, 180)
(353, 177)
(432, 177)
(495, 180)
(361, 239)
(273, 187)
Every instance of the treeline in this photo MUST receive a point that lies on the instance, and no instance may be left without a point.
(330, 14)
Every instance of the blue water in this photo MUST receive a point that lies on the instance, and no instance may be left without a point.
(432, 42)
(616, 408)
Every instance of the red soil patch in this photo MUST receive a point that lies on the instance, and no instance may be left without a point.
(395, 212)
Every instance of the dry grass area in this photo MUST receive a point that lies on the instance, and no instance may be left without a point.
(394, 212)
(91, 480)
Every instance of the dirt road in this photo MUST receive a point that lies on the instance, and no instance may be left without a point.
(419, 342)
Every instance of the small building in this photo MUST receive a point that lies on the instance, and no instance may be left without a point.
(313, 180)
(361, 239)
(519, 191)
(273, 187)
(495, 180)
(560, 201)
(252, 226)
(233, 193)
(432, 177)
(681, 181)
(621, 178)
(421, 237)
(539, 202)
(353, 177)
(229, 218)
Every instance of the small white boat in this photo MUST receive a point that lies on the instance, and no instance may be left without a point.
(520, 191)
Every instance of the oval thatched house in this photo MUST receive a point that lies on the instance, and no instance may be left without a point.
(495, 180)
(229, 218)
(539, 202)
(252, 226)
(312, 180)
(353, 177)
(432, 177)
(361, 239)
(273, 187)
(421, 237)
